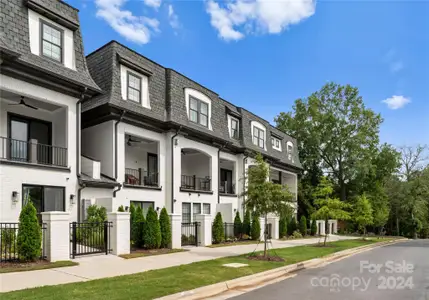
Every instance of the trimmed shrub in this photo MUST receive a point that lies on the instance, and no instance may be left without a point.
(7, 241)
(296, 234)
(121, 208)
(138, 227)
(96, 214)
(29, 239)
(218, 230)
(164, 222)
(152, 233)
(303, 225)
(313, 228)
(255, 228)
(292, 226)
(246, 223)
(237, 226)
(282, 227)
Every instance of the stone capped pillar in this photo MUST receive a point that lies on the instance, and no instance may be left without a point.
(176, 231)
(205, 229)
(320, 227)
(119, 232)
(57, 235)
(274, 221)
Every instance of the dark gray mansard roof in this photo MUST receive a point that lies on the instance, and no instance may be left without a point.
(15, 39)
(167, 100)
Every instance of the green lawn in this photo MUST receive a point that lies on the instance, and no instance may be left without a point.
(57, 264)
(157, 283)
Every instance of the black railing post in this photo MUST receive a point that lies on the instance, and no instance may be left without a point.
(74, 242)
(140, 176)
(194, 178)
(196, 234)
(225, 229)
(106, 237)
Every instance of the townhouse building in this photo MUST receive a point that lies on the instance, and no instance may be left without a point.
(171, 142)
(43, 81)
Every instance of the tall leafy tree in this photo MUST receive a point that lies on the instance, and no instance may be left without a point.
(362, 213)
(336, 132)
(264, 197)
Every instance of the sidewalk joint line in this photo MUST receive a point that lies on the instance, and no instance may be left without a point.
(78, 276)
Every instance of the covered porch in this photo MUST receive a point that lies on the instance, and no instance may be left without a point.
(196, 170)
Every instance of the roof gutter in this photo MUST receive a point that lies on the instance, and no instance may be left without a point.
(172, 168)
(116, 143)
(244, 181)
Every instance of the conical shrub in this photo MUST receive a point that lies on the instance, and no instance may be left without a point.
(164, 222)
(152, 233)
(29, 239)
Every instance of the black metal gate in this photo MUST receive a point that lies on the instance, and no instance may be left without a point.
(190, 234)
(89, 238)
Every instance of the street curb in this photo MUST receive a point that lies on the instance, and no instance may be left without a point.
(267, 276)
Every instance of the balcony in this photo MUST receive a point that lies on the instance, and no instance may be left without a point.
(227, 171)
(141, 162)
(32, 152)
(192, 182)
(195, 171)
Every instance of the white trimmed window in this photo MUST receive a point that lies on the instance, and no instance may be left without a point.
(134, 86)
(289, 146)
(258, 137)
(51, 41)
(276, 144)
(198, 111)
(233, 125)
(206, 208)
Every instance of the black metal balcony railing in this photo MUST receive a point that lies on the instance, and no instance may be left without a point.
(227, 188)
(16, 150)
(193, 182)
(141, 177)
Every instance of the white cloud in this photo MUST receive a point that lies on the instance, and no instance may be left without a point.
(240, 17)
(173, 18)
(153, 3)
(137, 29)
(396, 102)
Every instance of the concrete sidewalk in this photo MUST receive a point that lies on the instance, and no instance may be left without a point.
(102, 266)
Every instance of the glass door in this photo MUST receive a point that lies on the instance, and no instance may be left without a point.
(152, 169)
(19, 140)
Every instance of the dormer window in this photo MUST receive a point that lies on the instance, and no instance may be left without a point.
(198, 111)
(134, 87)
(258, 137)
(51, 41)
(233, 126)
(289, 151)
(276, 144)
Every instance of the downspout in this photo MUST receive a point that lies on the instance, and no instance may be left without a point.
(116, 152)
(218, 170)
(172, 168)
(244, 180)
(78, 146)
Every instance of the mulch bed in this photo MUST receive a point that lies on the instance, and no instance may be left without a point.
(140, 252)
(268, 258)
(20, 265)
(322, 246)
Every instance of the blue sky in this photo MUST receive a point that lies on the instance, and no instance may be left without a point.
(263, 55)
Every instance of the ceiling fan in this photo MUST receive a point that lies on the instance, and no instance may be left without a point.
(22, 102)
(130, 140)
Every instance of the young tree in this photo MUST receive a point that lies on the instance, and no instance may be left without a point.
(246, 223)
(264, 197)
(362, 213)
(152, 234)
(255, 230)
(237, 225)
(328, 208)
(303, 225)
(335, 130)
(313, 227)
(218, 230)
(164, 222)
(29, 240)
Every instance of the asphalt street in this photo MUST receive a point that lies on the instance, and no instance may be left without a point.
(394, 272)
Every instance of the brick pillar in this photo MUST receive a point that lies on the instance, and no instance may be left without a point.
(57, 235)
(119, 232)
(176, 231)
(205, 229)
(274, 221)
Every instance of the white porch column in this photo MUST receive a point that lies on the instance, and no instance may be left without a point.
(120, 232)
(57, 239)
(320, 227)
(274, 221)
(176, 231)
(262, 222)
(205, 233)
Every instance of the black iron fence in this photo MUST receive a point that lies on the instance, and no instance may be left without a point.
(192, 182)
(9, 251)
(89, 238)
(231, 231)
(190, 234)
(16, 150)
(141, 177)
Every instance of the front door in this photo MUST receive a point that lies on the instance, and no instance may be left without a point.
(152, 169)
(226, 181)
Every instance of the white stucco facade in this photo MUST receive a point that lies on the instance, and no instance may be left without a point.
(62, 117)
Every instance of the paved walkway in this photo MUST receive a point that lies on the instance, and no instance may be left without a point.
(102, 266)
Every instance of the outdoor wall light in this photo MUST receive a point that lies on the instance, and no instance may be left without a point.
(235, 209)
(176, 142)
(15, 195)
(126, 208)
(174, 200)
(157, 208)
(72, 198)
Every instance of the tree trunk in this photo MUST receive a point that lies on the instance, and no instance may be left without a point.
(265, 235)
(397, 224)
(342, 191)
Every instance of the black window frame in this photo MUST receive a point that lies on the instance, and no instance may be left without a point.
(140, 91)
(190, 212)
(198, 111)
(41, 40)
(141, 204)
(257, 134)
(43, 194)
(235, 132)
